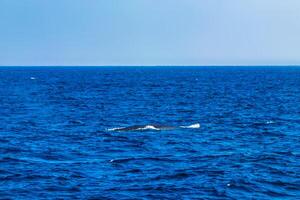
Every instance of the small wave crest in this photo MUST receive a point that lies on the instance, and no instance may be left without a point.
(270, 122)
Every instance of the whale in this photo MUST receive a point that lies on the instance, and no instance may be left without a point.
(152, 127)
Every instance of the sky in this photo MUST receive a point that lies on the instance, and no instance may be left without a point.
(149, 32)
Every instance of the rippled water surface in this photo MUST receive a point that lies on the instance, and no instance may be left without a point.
(57, 138)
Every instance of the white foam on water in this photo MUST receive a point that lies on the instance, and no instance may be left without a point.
(32, 78)
(192, 126)
(270, 122)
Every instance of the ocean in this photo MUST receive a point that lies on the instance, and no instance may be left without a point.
(150, 133)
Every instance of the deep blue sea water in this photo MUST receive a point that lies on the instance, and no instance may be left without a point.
(56, 139)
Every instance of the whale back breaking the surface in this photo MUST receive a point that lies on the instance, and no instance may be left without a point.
(192, 126)
(151, 127)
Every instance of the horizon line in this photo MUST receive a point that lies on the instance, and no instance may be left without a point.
(266, 65)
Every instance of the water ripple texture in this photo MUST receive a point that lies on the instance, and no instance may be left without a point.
(61, 138)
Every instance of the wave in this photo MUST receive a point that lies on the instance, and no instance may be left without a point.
(270, 122)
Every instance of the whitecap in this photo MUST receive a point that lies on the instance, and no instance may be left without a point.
(270, 122)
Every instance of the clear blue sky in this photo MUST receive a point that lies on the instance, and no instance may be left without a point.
(149, 32)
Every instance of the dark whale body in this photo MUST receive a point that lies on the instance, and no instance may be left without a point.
(145, 127)
(152, 127)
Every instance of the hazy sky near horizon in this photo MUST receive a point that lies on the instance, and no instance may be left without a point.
(149, 32)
